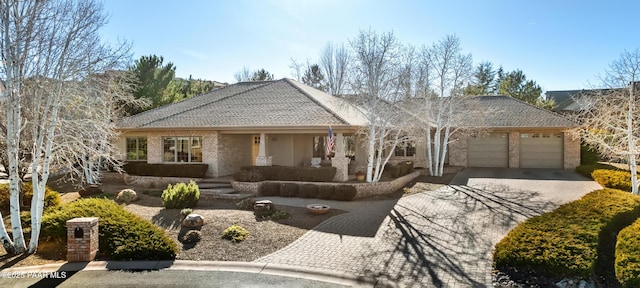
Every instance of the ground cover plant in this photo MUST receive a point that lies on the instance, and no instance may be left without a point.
(627, 263)
(123, 235)
(570, 241)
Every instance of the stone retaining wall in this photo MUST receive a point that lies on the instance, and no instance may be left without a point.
(155, 182)
(363, 189)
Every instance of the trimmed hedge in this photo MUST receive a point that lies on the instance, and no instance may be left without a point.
(308, 191)
(345, 193)
(613, 179)
(123, 236)
(627, 263)
(588, 155)
(586, 170)
(565, 242)
(289, 190)
(403, 168)
(286, 173)
(166, 170)
(270, 189)
(52, 198)
(326, 192)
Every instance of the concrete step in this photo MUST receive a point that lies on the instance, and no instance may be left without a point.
(216, 180)
(213, 185)
(217, 191)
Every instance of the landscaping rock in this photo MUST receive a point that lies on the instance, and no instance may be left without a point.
(193, 221)
(263, 208)
(90, 190)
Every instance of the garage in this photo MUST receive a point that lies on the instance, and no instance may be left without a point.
(541, 150)
(490, 150)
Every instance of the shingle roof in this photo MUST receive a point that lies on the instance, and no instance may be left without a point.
(508, 112)
(279, 103)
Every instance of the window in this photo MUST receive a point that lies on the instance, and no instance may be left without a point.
(320, 144)
(136, 148)
(405, 148)
(182, 149)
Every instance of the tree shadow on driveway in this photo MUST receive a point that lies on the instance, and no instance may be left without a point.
(445, 238)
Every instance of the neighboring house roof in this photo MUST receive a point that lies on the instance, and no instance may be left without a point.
(279, 103)
(508, 112)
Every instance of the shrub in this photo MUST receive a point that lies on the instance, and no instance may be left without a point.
(279, 214)
(308, 191)
(270, 189)
(289, 190)
(612, 179)
(245, 204)
(235, 233)
(627, 262)
(287, 173)
(90, 190)
(326, 192)
(51, 198)
(166, 170)
(126, 195)
(586, 170)
(253, 175)
(403, 168)
(588, 155)
(565, 242)
(345, 192)
(181, 196)
(192, 236)
(185, 212)
(123, 236)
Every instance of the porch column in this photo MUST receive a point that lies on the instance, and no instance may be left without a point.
(340, 161)
(262, 159)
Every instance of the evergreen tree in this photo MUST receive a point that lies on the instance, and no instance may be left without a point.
(152, 79)
(313, 77)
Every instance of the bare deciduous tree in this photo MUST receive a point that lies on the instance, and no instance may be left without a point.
(51, 56)
(334, 62)
(374, 78)
(444, 72)
(610, 121)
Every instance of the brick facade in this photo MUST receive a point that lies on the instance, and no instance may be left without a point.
(82, 239)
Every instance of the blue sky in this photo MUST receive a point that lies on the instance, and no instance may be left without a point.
(562, 45)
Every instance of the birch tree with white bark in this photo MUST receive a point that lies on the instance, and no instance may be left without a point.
(610, 118)
(444, 71)
(375, 80)
(51, 56)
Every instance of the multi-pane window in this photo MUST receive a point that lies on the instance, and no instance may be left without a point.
(182, 149)
(405, 148)
(136, 148)
(320, 144)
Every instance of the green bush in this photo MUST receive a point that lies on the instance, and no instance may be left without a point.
(613, 179)
(326, 192)
(181, 196)
(565, 242)
(270, 189)
(235, 233)
(345, 192)
(627, 263)
(586, 170)
(401, 169)
(588, 155)
(166, 170)
(253, 175)
(279, 214)
(308, 191)
(288, 173)
(123, 236)
(192, 236)
(52, 198)
(126, 196)
(289, 190)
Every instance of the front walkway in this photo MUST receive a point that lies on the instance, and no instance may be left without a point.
(441, 238)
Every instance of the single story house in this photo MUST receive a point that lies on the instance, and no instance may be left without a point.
(284, 122)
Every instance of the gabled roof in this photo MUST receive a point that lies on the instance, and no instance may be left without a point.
(279, 103)
(508, 112)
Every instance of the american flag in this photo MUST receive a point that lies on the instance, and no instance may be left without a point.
(330, 142)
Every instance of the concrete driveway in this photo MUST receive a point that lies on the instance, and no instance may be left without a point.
(441, 238)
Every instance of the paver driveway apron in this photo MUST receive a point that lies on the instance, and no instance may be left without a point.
(441, 238)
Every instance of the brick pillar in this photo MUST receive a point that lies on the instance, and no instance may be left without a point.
(82, 239)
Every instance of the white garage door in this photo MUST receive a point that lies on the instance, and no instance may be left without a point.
(490, 150)
(541, 150)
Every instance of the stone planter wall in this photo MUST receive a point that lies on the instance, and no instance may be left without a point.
(155, 182)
